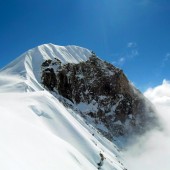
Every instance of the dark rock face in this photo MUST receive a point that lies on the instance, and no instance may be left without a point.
(101, 93)
(49, 78)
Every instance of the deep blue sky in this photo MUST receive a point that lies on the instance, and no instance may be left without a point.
(132, 34)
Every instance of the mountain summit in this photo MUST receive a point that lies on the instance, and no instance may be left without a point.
(57, 101)
(99, 92)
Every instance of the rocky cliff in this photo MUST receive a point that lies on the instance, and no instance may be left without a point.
(99, 92)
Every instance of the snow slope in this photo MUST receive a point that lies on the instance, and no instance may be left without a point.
(37, 131)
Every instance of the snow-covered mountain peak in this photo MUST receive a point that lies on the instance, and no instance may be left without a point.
(28, 65)
(35, 56)
(62, 101)
(71, 53)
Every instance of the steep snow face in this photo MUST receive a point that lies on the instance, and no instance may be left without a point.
(28, 66)
(37, 131)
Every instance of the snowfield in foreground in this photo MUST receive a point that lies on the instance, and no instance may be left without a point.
(37, 131)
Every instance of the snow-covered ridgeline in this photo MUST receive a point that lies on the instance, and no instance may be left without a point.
(27, 67)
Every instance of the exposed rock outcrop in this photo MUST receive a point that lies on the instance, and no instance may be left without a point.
(101, 93)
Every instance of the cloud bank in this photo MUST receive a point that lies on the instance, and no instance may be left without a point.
(152, 151)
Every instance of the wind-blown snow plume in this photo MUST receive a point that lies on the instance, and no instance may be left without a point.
(152, 151)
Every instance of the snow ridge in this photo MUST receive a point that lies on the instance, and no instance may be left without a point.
(27, 66)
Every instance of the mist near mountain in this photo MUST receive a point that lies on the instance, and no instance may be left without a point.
(152, 151)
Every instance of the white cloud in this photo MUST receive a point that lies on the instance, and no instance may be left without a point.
(133, 53)
(120, 61)
(158, 93)
(152, 152)
(131, 45)
(130, 52)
